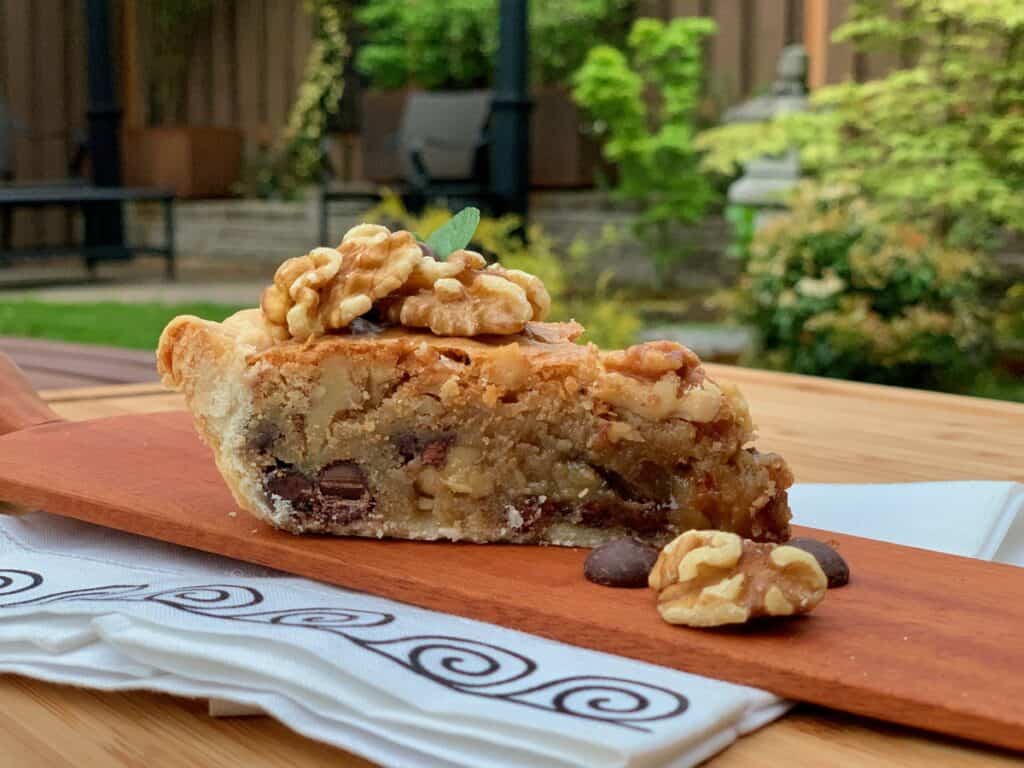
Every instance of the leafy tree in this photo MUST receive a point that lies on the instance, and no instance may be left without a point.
(939, 142)
(644, 104)
(451, 44)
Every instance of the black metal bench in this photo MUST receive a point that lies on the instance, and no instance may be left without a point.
(85, 197)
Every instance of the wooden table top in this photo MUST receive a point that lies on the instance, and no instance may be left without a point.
(829, 431)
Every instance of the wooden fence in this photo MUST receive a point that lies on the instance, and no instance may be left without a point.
(248, 63)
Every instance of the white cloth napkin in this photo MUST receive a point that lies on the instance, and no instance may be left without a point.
(397, 684)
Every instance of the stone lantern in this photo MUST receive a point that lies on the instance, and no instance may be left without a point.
(766, 180)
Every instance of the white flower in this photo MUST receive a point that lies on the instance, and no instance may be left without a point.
(820, 288)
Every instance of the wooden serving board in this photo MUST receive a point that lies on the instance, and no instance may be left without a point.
(918, 638)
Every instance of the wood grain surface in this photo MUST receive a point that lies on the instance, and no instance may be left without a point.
(828, 430)
(900, 643)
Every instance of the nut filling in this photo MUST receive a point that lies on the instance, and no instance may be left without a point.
(710, 578)
(338, 494)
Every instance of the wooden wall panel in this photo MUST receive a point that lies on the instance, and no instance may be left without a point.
(248, 52)
(3, 57)
(76, 97)
(199, 91)
(725, 79)
(768, 27)
(50, 143)
(17, 51)
(841, 63)
(279, 62)
(223, 69)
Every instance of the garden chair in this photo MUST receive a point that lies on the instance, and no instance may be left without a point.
(442, 143)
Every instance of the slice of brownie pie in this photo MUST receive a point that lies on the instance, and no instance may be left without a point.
(380, 392)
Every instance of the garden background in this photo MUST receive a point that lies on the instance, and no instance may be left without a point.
(897, 259)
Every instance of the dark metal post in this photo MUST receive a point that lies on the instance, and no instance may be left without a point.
(103, 223)
(510, 151)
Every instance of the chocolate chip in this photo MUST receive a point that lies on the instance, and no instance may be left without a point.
(538, 512)
(640, 516)
(343, 480)
(836, 570)
(435, 453)
(291, 485)
(426, 250)
(621, 563)
(431, 448)
(263, 436)
(344, 493)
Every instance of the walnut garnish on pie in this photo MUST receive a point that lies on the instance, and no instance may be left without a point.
(379, 391)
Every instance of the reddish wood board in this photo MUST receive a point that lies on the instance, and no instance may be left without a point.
(918, 638)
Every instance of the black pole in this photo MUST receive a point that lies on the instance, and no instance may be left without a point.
(103, 223)
(510, 155)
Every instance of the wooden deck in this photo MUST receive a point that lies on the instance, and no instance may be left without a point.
(60, 365)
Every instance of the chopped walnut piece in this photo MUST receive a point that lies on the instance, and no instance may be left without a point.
(429, 270)
(652, 359)
(710, 578)
(532, 286)
(327, 289)
(481, 304)
(294, 298)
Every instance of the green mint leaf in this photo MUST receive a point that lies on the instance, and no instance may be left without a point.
(454, 234)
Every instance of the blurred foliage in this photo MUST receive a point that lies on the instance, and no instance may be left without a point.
(137, 326)
(295, 161)
(939, 143)
(644, 103)
(451, 44)
(836, 289)
(742, 221)
(168, 29)
(1010, 321)
(575, 292)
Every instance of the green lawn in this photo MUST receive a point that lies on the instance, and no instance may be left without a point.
(136, 326)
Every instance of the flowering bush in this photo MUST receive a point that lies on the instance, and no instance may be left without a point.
(939, 141)
(835, 289)
(1010, 321)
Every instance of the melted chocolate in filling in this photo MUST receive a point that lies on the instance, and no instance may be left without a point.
(338, 494)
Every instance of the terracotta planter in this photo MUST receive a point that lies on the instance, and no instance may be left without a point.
(561, 155)
(193, 161)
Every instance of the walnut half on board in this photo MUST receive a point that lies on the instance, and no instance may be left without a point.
(711, 578)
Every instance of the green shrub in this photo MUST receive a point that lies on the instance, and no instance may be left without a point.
(576, 294)
(644, 106)
(939, 143)
(451, 44)
(1010, 321)
(834, 289)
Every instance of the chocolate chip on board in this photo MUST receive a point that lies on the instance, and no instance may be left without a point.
(836, 570)
(621, 563)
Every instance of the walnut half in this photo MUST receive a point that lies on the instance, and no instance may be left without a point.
(328, 288)
(710, 578)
